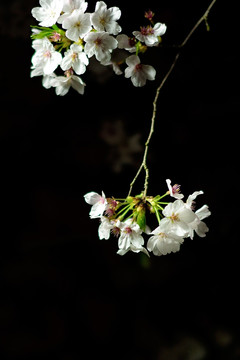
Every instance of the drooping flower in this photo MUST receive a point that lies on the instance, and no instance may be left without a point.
(202, 213)
(164, 242)
(190, 200)
(174, 190)
(45, 57)
(150, 35)
(197, 225)
(104, 19)
(48, 13)
(178, 218)
(127, 43)
(138, 72)
(78, 24)
(76, 59)
(130, 238)
(107, 226)
(98, 202)
(64, 83)
(100, 44)
(69, 6)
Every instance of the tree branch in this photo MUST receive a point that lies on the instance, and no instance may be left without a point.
(144, 162)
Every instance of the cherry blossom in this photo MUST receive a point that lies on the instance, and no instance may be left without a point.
(76, 59)
(104, 19)
(78, 24)
(48, 13)
(100, 44)
(46, 58)
(127, 43)
(164, 242)
(107, 227)
(138, 72)
(130, 238)
(98, 203)
(179, 217)
(174, 190)
(69, 6)
(63, 84)
(150, 35)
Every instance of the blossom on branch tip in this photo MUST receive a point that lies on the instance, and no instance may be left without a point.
(78, 24)
(164, 241)
(63, 83)
(130, 238)
(104, 19)
(100, 44)
(69, 6)
(178, 218)
(45, 57)
(127, 43)
(76, 59)
(150, 35)
(98, 202)
(138, 72)
(174, 190)
(48, 13)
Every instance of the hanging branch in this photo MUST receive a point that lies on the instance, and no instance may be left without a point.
(144, 162)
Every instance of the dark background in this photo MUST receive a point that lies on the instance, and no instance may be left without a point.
(64, 293)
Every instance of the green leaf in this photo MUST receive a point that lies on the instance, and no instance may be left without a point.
(141, 219)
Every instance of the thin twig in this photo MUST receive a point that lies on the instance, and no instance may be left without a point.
(144, 162)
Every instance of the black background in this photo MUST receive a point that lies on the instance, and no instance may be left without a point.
(64, 293)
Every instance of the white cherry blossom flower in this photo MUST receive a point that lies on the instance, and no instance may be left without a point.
(98, 202)
(107, 227)
(64, 83)
(78, 24)
(130, 238)
(150, 35)
(174, 190)
(164, 242)
(100, 44)
(125, 42)
(104, 19)
(45, 57)
(69, 6)
(199, 226)
(47, 80)
(190, 200)
(202, 213)
(138, 72)
(76, 59)
(48, 13)
(178, 218)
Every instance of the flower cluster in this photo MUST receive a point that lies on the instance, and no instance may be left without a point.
(126, 219)
(68, 36)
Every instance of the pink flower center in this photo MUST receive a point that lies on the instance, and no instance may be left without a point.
(176, 189)
(128, 230)
(47, 54)
(131, 42)
(116, 231)
(102, 200)
(68, 73)
(147, 30)
(55, 37)
(138, 67)
(174, 217)
(98, 41)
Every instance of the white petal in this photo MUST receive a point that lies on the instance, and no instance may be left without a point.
(92, 197)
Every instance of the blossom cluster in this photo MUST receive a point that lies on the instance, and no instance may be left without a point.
(126, 220)
(67, 37)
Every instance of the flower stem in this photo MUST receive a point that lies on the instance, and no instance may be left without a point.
(144, 161)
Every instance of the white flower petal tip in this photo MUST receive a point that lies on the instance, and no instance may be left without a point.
(174, 191)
